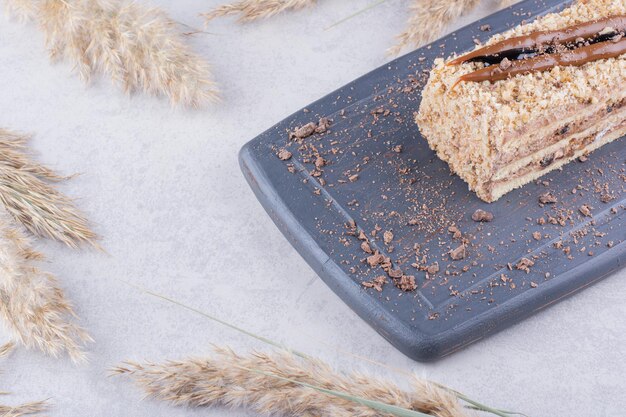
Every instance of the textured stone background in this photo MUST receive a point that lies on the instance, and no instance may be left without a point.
(164, 190)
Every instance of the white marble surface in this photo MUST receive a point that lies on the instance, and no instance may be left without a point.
(164, 190)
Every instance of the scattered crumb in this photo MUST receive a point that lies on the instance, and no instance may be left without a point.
(387, 237)
(377, 283)
(547, 198)
(284, 155)
(482, 216)
(433, 269)
(305, 131)
(524, 265)
(406, 283)
(585, 210)
(458, 253)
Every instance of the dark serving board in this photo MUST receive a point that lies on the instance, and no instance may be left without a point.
(467, 299)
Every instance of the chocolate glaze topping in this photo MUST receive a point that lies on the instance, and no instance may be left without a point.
(539, 41)
(574, 57)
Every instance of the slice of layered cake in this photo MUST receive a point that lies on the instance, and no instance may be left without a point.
(531, 99)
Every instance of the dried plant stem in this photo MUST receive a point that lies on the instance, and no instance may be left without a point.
(139, 47)
(249, 10)
(27, 194)
(32, 304)
(266, 384)
(370, 6)
(428, 18)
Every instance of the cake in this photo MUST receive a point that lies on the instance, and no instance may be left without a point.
(531, 99)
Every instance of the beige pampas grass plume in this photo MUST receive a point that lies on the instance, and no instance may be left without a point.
(6, 349)
(250, 10)
(428, 19)
(139, 47)
(265, 383)
(27, 194)
(32, 304)
(23, 409)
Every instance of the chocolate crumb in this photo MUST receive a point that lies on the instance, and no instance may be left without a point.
(366, 247)
(284, 155)
(482, 216)
(585, 210)
(406, 283)
(605, 198)
(458, 253)
(305, 131)
(547, 198)
(395, 273)
(524, 265)
(375, 259)
(322, 125)
(387, 237)
(456, 233)
(377, 283)
(433, 269)
(546, 161)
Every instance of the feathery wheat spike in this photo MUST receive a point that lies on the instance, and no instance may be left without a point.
(139, 47)
(428, 19)
(249, 10)
(23, 409)
(23, 10)
(6, 349)
(13, 153)
(260, 381)
(27, 195)
(31, 302)
(475, 404)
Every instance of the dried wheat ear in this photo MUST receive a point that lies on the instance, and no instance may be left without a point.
(139, 47)
(280, 383)
(32, 304)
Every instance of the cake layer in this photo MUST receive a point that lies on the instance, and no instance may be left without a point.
(566, 151)
(498, 135)
(556, 127)
(554, 137)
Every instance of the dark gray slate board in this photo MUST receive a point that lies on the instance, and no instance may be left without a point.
(449, 310)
